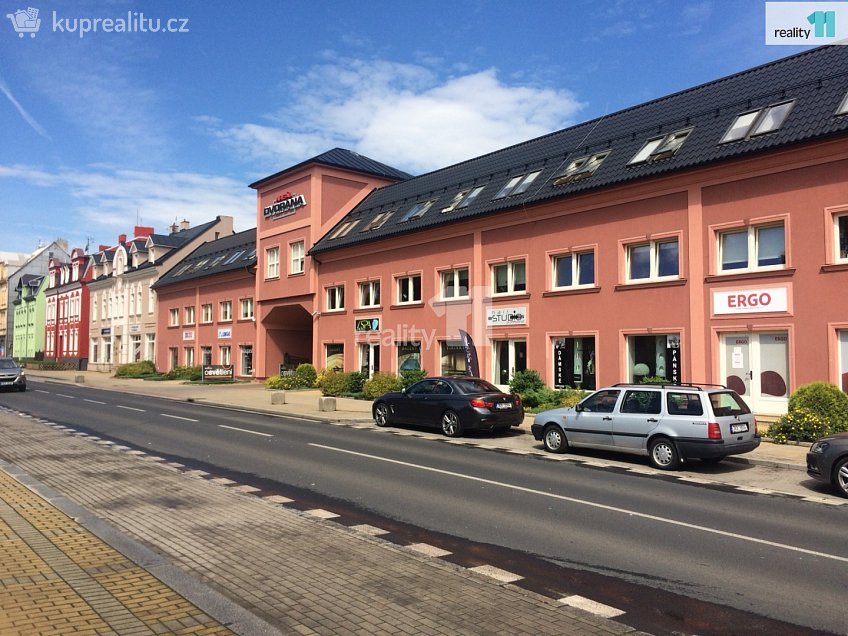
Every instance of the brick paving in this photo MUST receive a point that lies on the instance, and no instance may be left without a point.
(301, 574)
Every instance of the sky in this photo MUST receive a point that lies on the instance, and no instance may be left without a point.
(101, 131)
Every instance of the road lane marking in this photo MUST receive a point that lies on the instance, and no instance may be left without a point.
(244, 430)
(42, 391)
(593, 504)
(70, 397)
(177, 417)
(130, 408)
(93, 401)
(593, 607)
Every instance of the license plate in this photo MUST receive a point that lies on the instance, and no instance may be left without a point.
(5, 383)
(739, 428)
(503, 405)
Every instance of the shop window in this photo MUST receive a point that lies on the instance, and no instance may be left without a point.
(757, 122)
(206, 312)
(226, 310)
(335, 298)
(173, 358)
(509, 278)
(517, 185)
(840, 235)
(174, 317)
(225, 355)
(206, 356)
(246, 308)
(661, 147)
(246, 357)
(334, 356)
(369, 294)
(574, 270)
(754, 247)
(455, 283)
(272, 262)
(189, 315)
(842, 335)
(654, 356)
(409, 289)
(297, 257)
(409, 356)
(453, 358)
(655, 260)
(574, 363)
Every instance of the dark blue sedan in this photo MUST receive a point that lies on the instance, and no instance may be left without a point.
(827, 460)
(452, 403)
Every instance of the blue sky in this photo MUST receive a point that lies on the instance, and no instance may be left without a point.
(101, 130)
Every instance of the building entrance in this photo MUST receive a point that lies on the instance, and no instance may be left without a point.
(756, 366)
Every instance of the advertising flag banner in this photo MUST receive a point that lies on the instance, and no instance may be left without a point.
(471, 363)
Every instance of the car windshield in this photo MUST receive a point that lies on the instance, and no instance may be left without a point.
(7, 363)
(472, 385)
(728, 403)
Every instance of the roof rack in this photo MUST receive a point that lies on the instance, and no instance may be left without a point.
(685, 385)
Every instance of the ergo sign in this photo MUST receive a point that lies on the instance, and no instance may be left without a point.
(749, 301)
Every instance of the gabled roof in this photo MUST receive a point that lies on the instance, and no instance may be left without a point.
(815, 81)
(233, 252)
(347, 160)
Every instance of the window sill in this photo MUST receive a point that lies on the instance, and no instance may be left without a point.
(508, 297)
(368, 310)
(334, 312)
(771, 273)
(415, 305)
(229, 322)
(465, 300)
(834, 267)
(677, 282)
(571, 292)
(296, 274)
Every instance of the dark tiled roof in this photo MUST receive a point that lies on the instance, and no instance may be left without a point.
(234, 252)
(817, 81)
(348, 160)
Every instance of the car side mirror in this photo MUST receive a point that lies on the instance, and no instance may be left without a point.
(403, 390)
(578, 408)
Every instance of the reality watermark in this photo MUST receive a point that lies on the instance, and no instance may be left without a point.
(806, 23)
(28, 22)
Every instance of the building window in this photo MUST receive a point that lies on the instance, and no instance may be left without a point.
(455, 283)
(651, 357)
(135, 346)
(840, 234)
(246, 308)
(654, 260)
(378, 221)
(343, 229)
(151, 300)
(409, 356)
(335, 356)
(574, 363)
(206, 310)
(226, 310)
(297, 258)
(189, 315)
(151, 347)
(417, 211)
(757, 122)
(206, 356)
(463, 199)
(272, 262)
(369, 294)
(574, 270)
(843, 107)
(174, 317)
(453, 358)
(189, 356)
(753, 247)
(335, 298)
(225, 355)
(661, 147)
(581, 168)
(517, 185)
(509, 278)
(246, 357)
(173, 358)
(409, 289)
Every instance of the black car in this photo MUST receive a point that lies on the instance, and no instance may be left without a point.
(454, 403)
(827, 460)
(12, 376)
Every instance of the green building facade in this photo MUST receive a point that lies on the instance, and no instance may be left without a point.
(29, 316)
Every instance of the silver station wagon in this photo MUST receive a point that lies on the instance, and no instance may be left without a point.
(668, 423)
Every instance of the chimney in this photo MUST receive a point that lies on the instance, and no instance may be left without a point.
(142, 231)
(102, 247)
(122, 238)
(174, 228)
(184, 225)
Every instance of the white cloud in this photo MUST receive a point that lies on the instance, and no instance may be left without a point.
(401, 114)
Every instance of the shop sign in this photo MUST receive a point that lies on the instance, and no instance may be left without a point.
(218, 373)
(750, 301)
(188, 334)
(284, 205)
(497, 317)
(225, 333)
(106, 331)
(366, 324)
(135, 328)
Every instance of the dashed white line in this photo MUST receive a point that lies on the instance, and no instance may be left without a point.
(70, 397)
(93, 401)
(42, 391)
(244, 430)
(177, 417)
(130, 408)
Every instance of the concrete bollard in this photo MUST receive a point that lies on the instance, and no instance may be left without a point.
(278, 397)
(326, 404)
(80, 379)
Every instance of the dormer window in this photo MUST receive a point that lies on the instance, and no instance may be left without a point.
(758, 122)
(581, 168)
(378, 221)
(463, 199)
(517, 185)
(661, 147)
(418, 210)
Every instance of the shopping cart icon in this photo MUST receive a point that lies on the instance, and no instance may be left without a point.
(25, 21)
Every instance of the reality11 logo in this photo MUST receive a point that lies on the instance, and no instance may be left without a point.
(824, 22)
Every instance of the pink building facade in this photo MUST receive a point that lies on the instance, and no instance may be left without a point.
(66, 336)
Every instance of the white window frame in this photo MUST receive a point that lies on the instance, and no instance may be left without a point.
(225, 354)
(206, 313)
(661, 147)
(225, 310)
(753, 247)
(837, 239)
(246, 308)
(189, 315)
(174, 317)
(373, 287)
(654, 263)
(752, 122)
(298, 258)
(510, 277)
(517, 184)
(454, 275)
(417, 211)
(335, 298)
(272, 262)
(576, 269)
(409, 282)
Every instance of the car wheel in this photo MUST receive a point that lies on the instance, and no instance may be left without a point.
(450, 424)
(663, 454)
(840, 476)
(712, 460)
(381, 415)
(554, 439)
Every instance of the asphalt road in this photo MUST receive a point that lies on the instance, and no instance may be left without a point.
(756, 553)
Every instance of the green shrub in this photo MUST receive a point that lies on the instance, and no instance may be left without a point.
(826, 400)
(381, 383)
(305, 375)
(193, 374)
(354, 381)
(135, 369)
(545, 398)
(799, 425)
(333, 383)
(408, 377)
(525, 381)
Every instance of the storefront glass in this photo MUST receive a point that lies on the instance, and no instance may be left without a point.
(453, 358)
(574, 363)
(409, 356)
(654, 356)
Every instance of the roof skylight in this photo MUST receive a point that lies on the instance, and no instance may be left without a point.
(661, 147)
(463, 199)
(581, 168)
(344, 229)
(234, 257)
(378, 221)
(418, 210)
(517, 185)
(843, 107)
(758, 122)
